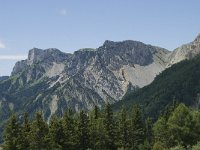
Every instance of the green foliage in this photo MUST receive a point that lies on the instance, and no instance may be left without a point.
(145, 146)
(180, 82)
(196, 147)
(109, 125)
(93, 128)
(149, 130)
(26, 128)
(159, 146)
(102, 130)
(179, 147)
(137, 128)
(69, 129)
(124, 128)
(180, 125)
(11, 134)
(180, 128)
(83, 131)
(160, 131)
(56, 134)
(38, 134)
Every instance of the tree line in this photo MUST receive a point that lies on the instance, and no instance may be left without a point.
(177, 129)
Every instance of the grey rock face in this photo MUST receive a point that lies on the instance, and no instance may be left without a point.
(40, 62)
(49, 55)
(186, 51)
(197, 39)
(19, 66)
(51, 81)
(86, 78)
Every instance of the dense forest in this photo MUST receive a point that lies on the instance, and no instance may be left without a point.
(171, 100)
(177, 129)
(181, 82)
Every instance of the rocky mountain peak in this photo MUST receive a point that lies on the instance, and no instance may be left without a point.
(109, 43)
(186, 51)
(197, 39)
(44, 58)
(34, 55)
(48, 55)
(122, 44)
(127, 52)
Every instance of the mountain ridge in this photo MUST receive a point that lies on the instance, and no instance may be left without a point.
(179, 83)
(52, 81)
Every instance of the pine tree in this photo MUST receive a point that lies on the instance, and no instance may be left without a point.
(11, 134)
(56, 134)
(169, 109)
(137, 128)
(123, 130)
(161, 132)
(181, 126)
(101, 134)
(109, 129)
(26, 127)
(38, 134)
(148, 130)
(83, 131)
(69, 129)
(93, 131)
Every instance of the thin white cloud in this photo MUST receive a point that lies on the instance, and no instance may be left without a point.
(63, 12)
(2, 45)
(13, 57)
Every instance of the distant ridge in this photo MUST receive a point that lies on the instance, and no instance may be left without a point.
(52, 81)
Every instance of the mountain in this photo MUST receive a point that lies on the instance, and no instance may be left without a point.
(3, 78)
(186, 51)
(51, 81)
(180, 82)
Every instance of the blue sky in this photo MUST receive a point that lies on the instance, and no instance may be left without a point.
(73, 24)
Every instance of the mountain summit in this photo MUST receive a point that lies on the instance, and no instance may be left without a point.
(186, 51)
(52, 81)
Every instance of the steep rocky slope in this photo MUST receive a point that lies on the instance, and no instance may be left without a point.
(178, 83)
(186, 51)
(51, 81)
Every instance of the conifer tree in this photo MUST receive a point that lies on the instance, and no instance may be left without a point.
(161, 131)
(69, 129)
(181, 126)
(26, 128)
(137, 128)
(93, 131)
(123, 130)
(109, 128)
(101, 133)
(148, 130)
(83, 131)
(56, 134)
(11, 134)
(38, 134)
(169, 109)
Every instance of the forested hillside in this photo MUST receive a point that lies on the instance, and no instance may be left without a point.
(179, 82)
(177, 130)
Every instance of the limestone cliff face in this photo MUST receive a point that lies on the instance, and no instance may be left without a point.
(186, 51)
(51, 81)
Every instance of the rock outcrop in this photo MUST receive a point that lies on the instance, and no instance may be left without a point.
(186, 51)
(52, 81)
